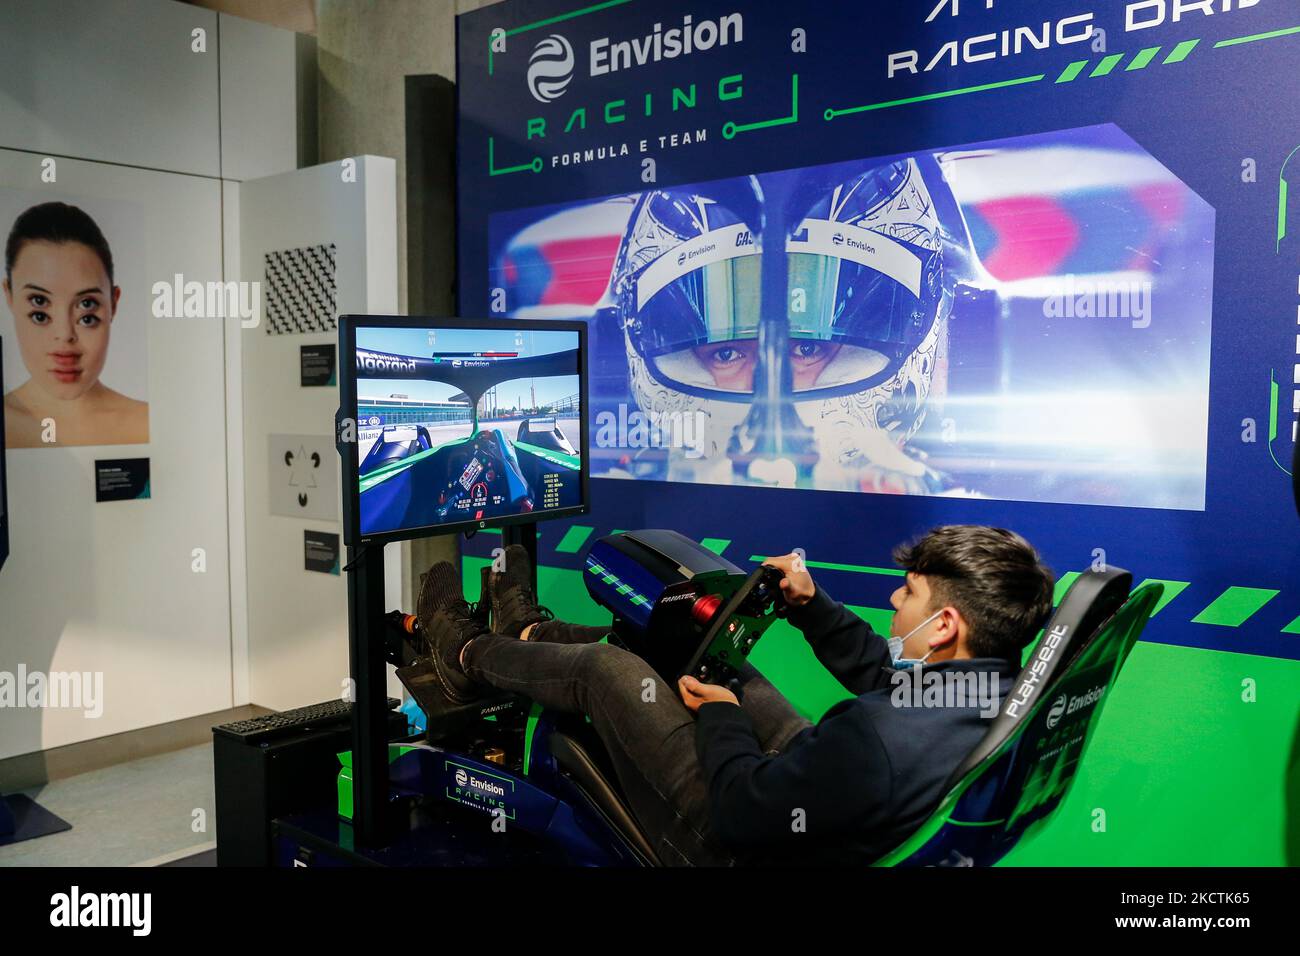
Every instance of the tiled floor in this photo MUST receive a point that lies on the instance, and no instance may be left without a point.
(153, 811)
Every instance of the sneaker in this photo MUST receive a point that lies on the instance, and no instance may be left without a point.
(514, 604)
(447, 625)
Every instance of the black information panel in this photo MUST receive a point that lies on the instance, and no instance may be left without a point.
(122, 479)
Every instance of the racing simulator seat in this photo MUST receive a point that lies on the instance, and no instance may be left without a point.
(685, 609)
(1017, 775)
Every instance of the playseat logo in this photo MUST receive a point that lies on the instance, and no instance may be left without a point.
(1028, 687)
(75, 909)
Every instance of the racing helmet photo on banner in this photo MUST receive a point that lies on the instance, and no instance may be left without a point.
(894, 325)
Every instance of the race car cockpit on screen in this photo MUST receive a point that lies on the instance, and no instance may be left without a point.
(485, 424)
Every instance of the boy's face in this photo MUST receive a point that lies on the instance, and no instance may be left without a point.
(911, 606)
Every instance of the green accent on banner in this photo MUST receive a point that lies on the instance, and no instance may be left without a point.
(1062, 585)
(144, 492)
(1107, 65)
(831, 114)
(729, 130)
(1235, 606)
(716, 545)
(558, 18)
(535, 166)
(830, 566)
(1143, 59)
(574, 539)
(1293, 627)
(1172, 590)
(1071, 71)
(1289, 31)
(1272, 406)
(1180, 52)
(1283, 188)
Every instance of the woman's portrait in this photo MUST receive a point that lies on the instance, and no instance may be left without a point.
(60, 290)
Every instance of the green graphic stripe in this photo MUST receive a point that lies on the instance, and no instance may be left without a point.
(1105, 66)
(829, 566)
(534, 166)
(729, 130)
(1180, 52)
(1272, 406)
(1172, 590)
(832, 113)
(1232, 608)
(1289, 31)
(1235, 606)
(1071, 71)
(1143, 58)
(559, 18)
(1281, 211)
(574, 539)
(1062, 585)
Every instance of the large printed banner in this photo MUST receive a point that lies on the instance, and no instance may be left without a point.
(854, 270)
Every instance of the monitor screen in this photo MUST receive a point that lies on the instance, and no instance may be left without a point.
(460, 424)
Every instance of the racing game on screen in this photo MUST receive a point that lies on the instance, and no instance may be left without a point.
(459, 425)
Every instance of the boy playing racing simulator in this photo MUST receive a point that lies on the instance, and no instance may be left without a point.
(714, 781)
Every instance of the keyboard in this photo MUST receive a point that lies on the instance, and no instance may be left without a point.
(330, 712)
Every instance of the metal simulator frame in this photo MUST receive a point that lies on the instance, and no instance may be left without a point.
(688, 610)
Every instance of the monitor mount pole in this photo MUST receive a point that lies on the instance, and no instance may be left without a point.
(370, 695)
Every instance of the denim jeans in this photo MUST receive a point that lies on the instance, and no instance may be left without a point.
(645, 727)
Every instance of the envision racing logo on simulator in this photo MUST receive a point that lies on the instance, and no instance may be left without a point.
(1063, 705)
(476, 790)
(550, 68)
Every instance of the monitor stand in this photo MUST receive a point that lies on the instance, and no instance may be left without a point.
(368, 661)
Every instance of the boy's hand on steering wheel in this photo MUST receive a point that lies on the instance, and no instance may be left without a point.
(797, 586)
(694, 693)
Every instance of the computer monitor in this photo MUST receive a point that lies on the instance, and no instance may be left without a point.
(459, 424)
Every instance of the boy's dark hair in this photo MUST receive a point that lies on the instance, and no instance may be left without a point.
(994, 577)
(56, 222)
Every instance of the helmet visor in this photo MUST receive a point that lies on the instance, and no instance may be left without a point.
(856, 306)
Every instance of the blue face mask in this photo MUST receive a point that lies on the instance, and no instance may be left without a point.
(896, 646)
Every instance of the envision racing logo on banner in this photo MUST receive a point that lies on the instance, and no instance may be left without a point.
(550, 68)
(552, 64)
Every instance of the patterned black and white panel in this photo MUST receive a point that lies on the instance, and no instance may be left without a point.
(301, 295)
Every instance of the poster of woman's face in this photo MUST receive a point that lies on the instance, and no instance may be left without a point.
(76, 314)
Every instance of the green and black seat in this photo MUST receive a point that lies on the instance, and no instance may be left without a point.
(1021, 771)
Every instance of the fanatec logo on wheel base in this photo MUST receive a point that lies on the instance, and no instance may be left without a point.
(550, 68)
